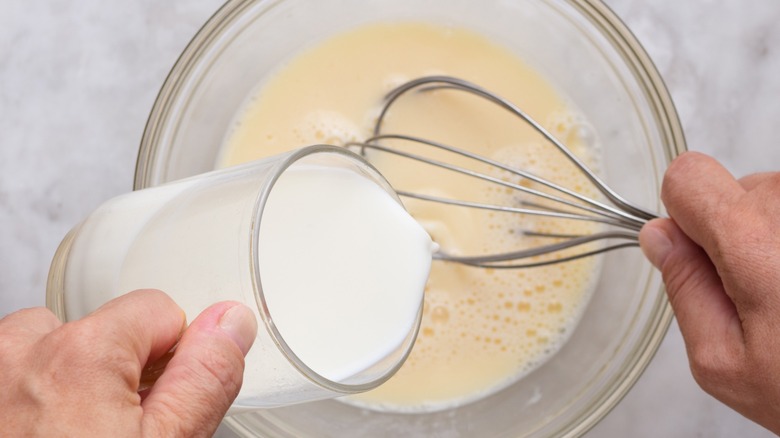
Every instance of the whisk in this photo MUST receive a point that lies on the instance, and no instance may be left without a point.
(621, 219)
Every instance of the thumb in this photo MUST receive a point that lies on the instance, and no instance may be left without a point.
(204, 376)
(707, 317)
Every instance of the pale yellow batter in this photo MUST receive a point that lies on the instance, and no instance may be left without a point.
(482, 328)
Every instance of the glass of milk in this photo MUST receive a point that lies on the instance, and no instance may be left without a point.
(314, 240)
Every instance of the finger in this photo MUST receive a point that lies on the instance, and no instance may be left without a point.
(145, 323)
(204, 375)
(100, 356)
(751, 273)
(20, 330)
(750, 182)
(30, 323)
(707, 317)
(699, 194)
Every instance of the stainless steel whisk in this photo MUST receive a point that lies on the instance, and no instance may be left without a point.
(622, 219)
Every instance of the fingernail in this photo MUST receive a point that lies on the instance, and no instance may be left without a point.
(655, 244)
(240, 324)
(183, 324)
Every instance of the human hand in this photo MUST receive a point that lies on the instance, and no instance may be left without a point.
(82, 378)
(720, 258)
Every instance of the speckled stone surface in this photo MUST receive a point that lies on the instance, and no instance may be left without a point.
(77, 80)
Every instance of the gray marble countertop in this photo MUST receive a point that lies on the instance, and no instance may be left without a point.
(78, 78)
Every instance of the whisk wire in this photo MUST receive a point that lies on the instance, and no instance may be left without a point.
(569, 205)
(430, 83)
(492, 261)
(590, 205)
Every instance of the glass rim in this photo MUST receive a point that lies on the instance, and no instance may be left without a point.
(276, 172)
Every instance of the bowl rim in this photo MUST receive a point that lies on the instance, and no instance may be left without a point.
(625, 44)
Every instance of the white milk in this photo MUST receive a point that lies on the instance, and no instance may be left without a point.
(342, 265)
(343, 275)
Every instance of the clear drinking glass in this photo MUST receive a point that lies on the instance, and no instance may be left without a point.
(197, 239)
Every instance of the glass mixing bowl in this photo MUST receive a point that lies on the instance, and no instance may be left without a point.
(589, 56)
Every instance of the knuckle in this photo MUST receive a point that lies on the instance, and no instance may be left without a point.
(35, 319)
(746, 226)
(78, 338)
(157, 422)
(680, 277)
(772, 181)
(677, 174)
(205, 386)
(69, 340)
(212, 378)
(162, 300)
(223, 372)
(82, 345)
(712, 368)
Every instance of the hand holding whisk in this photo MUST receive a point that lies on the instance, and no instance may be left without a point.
(620, 220)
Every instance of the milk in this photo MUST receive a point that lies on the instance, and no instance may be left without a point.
(342, 265)
(351, 264)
